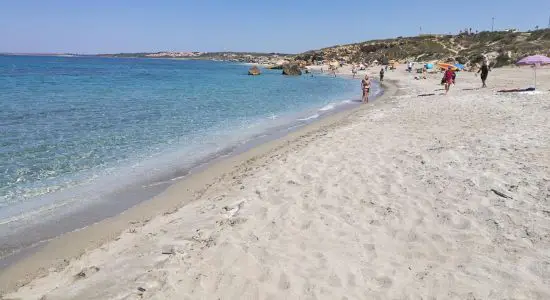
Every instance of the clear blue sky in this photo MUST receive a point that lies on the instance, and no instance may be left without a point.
(82, 26)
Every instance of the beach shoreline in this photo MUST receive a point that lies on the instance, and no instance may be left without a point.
(129, 195)
(106, 200)
(35, 260)
(419, 195)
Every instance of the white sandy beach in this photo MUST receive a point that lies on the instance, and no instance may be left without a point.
(410, 197)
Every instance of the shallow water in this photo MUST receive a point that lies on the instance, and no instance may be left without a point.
(69, 126)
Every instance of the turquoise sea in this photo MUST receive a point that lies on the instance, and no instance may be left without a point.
(74, 130)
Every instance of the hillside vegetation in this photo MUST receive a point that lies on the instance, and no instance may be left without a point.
(500, 48)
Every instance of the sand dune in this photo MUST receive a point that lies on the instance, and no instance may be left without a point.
(409, 198)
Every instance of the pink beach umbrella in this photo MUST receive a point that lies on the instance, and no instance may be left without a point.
(534, 60)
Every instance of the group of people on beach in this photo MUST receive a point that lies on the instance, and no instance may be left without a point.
(449, 78)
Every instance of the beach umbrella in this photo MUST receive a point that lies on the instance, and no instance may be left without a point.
(446, 66)
(534, 60)
(459, 66)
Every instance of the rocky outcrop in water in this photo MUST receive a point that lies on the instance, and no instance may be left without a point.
(292, 69)
(254, 71)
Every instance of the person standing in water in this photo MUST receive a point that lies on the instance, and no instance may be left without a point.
(484, 73)
(381, 74)
(354, 71)
(333, 70)
(365, 86)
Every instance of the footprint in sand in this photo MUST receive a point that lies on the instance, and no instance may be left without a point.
(383, 282)
(322, 259)
(461, 223)
(309, 289)
(351, 280)
(334, 280)
(540, 269)
(262, 213)
(284, 283)
(265, 275)
(370, 247)
(306, 225)
(86, 272)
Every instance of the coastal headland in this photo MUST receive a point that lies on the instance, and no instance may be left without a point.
(498, 48)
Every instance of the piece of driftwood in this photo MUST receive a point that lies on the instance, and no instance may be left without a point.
(501, 194)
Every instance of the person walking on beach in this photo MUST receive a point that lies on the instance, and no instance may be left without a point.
(484, 73)
(448, 78)
(365, 86)
(354, 71)
(381, 74)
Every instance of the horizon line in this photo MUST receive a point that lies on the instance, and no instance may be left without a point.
(257, 52)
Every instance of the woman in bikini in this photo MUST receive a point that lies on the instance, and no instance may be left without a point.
(365, 86)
